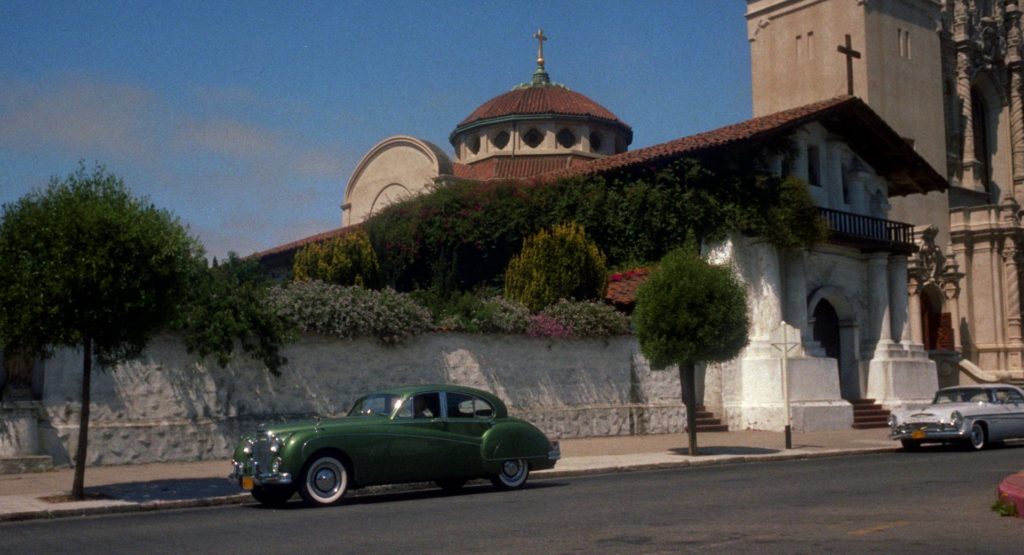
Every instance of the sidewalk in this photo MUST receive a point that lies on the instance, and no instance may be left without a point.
(191, 484)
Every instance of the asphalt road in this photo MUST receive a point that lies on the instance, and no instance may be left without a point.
(934, 501)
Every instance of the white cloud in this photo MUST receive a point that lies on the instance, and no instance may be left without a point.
(81, 115)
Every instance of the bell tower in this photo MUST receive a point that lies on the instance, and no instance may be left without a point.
(886, 52)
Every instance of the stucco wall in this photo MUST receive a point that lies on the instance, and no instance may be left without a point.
(170, 406)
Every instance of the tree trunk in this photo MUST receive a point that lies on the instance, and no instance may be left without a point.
(688, 382)
(78, 489)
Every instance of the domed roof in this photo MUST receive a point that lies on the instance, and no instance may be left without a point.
(542, 99)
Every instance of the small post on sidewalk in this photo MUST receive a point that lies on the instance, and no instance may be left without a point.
(785, 347)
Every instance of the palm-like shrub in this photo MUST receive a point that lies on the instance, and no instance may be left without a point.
(345, 260)
(557, 264)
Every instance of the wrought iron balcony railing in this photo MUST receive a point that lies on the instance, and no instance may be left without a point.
(869, 233)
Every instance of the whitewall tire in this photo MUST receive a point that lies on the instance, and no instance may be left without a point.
(513, 474)
(324, 481)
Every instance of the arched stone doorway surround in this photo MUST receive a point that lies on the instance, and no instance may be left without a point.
(842, 331)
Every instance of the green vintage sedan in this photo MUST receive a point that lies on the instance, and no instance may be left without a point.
(446, 434)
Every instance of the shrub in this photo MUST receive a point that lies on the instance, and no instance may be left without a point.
(542, 325)
(345, 260)
(556, 264)
(338, 311)
(461, 234)
(475, 313)
(588, 318)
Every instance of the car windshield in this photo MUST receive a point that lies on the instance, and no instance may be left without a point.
(374, 405)
(965, 395)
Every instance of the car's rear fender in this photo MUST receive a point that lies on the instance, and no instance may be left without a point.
(512, 440)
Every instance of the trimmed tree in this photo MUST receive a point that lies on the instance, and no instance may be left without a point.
(557, 264)
(345, 260)
(85, 264)
(227, 306)
(689, 311)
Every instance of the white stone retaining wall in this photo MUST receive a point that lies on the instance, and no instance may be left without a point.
(170, 406)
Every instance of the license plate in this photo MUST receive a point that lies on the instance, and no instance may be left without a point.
(247, 483)
(917, 434)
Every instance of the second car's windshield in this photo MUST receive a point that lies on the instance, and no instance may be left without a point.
(376, 405)
(968, 395)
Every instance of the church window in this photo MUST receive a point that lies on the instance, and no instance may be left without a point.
(595, 142)
(799, 47)
(533, 138)
(473, 144)
(500, 140)
(620, 145)
(566, 138)
(979, 125)
(810, 45)
(813, 166)
(903, 43)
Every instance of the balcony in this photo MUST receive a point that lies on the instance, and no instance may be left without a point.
(869, 234)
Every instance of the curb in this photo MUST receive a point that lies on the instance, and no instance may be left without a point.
(117, 507)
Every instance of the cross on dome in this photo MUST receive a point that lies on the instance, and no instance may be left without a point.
(539, 35)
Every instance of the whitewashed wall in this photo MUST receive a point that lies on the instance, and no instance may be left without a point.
(170, 406)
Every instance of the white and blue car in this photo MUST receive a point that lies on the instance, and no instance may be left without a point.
(973, 415)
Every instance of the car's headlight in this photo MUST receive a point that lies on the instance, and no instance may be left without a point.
(956, 418)
(275, 442)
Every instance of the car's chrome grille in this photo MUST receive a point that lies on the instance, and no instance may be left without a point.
(261, 453)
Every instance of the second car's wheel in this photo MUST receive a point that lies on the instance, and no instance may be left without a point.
(272, 496)
(978, 438)
(324, 480)
(514, 473)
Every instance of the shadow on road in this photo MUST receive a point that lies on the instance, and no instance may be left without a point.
(168, 490)
(726, 450)
(370, 498)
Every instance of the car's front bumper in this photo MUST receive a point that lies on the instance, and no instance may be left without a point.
(242, 470)
(928, 432)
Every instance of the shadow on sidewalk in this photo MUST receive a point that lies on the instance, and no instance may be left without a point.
(168, 490)
(725, 450)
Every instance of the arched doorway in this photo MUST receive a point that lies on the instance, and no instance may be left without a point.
(931, 319)
(826, 328)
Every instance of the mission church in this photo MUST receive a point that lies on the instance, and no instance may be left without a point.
(907, 123)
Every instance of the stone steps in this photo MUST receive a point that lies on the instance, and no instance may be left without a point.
(869, 414)
(707, 422)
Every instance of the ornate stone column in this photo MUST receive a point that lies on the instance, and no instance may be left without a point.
(1013, 63)
(878, 284)
(1013, 316)
(914, 284)
(897, 270)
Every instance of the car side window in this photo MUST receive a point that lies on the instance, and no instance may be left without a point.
(1009, 396)
(424, 405)
(461, 405)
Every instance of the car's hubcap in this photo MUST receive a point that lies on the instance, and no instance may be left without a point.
(326, 480)
(511, 468)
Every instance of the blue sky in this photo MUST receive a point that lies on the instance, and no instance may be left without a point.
(246, 119)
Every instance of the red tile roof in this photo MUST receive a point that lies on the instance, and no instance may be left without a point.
(518, 167)
(622, 287)
(536, 100)
(299, 243)
(849, 117)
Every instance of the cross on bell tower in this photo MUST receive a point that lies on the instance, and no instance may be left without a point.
(848, 51)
